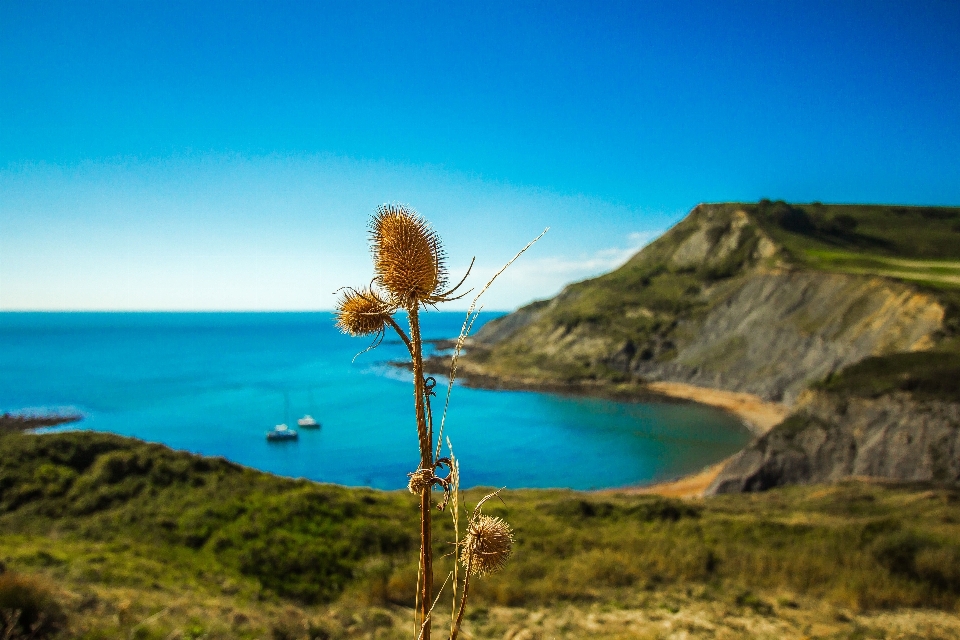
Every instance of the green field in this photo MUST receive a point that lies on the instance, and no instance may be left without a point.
(915, 244)
(908, 233)
(942, 273)
(139, 541)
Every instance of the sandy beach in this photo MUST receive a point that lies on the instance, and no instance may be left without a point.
(757, 414)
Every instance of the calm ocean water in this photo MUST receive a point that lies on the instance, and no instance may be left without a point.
(214, 383)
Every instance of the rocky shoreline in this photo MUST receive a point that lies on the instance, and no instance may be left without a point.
(756, 414)
(27, 421)
(824, 437)
(833, 436)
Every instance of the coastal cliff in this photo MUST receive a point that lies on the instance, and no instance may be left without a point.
(764, 299)
(894, 417)
(831, 437)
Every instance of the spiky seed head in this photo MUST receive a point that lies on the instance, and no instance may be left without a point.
(420, 480)
(408, 258)
(361, 312)
(487, 546)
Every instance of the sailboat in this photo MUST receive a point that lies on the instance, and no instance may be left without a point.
(308, 421)
(282, 431)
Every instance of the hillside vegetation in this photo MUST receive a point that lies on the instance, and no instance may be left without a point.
(890, 235)
(136, 540)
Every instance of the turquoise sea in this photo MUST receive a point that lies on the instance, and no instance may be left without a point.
(214, 383)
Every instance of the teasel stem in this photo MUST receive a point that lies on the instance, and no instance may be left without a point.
(426, 462)
(455, 631)
(403, 336)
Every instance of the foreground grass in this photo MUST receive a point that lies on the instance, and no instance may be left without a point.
(140, 541)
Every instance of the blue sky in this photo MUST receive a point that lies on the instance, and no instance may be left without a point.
(164, 155)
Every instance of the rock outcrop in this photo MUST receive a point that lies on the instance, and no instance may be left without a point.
(833, 436)
(778, 332)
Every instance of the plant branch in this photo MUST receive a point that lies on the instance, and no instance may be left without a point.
(465, 331)
(403, 336)
(425, 626)
(455, 631)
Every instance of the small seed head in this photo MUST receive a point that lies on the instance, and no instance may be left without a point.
(361, 313)
(420, 480)
(487, 545)
(408, 258)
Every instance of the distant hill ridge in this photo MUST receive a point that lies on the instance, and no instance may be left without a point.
(766, 298)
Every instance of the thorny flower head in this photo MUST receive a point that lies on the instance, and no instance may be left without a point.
(361, 312)
(487, 546)
(408, 258)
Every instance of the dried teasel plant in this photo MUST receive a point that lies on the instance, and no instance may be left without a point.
(362, 312)
(484, 550)
(408, 256)
(409, 274)
(487, 546)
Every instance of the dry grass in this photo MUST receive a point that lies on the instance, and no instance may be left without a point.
(134, 534)
(675, 613)
(29, 607)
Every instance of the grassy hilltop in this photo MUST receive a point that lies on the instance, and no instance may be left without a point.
(135, 540)
(918, 245)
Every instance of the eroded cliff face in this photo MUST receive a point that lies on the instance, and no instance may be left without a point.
(777, 332)
(832, 436)
(711, 303)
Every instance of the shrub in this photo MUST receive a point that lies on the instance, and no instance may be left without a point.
(926, 375)
(28, 607)
(792, 218)
(920, 559)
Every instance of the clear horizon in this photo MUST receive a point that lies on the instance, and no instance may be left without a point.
(223, 157)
